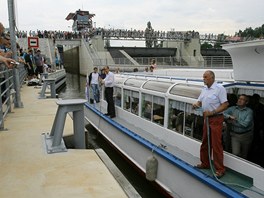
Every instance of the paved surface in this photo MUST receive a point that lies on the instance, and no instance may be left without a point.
(26, 170)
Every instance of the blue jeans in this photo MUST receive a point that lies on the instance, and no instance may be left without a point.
(96, 93)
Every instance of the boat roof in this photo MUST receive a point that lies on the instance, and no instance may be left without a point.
(248, 60)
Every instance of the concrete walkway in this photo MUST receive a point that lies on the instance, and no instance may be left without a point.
(26, 170)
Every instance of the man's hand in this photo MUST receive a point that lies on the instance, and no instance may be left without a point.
(196, 105)
(9, 62)
(208, 113)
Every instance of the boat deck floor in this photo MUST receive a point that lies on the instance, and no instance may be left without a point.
(233, 179)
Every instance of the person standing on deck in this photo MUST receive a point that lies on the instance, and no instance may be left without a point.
(93, 82)
(109, 90)
(213, 100)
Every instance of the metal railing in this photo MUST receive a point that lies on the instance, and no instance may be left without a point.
(192, 61)
(9, 90)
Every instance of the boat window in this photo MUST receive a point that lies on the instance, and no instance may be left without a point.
(131, 100)
(157, 86)
(117, 96)
(126, 98)
(135, 102)
(147, 106)
(184, 120)
(132, 82)
(186, 90)
(158, 110)
(153, 108)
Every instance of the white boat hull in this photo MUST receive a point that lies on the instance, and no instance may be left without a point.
(172, 175)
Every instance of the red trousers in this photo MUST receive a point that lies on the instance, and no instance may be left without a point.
(215, 126)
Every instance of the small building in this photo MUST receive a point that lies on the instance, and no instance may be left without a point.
(82, 20)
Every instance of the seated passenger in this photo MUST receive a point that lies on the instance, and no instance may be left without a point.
(147, 111)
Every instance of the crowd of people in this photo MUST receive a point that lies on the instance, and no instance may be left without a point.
(118, 33)
(124, 34)
(34, 62)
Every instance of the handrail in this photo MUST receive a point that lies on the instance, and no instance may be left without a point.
(199, 62)
(9, 89)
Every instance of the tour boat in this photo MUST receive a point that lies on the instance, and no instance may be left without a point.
(159, 132)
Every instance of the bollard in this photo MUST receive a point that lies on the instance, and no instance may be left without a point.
(54, 141)
(51, 82)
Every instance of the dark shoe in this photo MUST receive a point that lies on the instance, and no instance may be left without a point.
(106, 114)
(112, 116)
(219, 174)
(201, 166)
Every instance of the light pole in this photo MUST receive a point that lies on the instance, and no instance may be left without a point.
(12, 25)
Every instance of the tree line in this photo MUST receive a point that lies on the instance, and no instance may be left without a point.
(248, 34)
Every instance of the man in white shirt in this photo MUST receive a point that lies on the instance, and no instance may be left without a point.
(109, 90)
(213, 100)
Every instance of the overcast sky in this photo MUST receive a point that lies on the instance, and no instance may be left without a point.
(204, 16)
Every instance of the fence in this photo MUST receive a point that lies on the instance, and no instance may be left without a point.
(10, 81)
(125, 65)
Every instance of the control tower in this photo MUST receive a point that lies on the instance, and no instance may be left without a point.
(82, 20)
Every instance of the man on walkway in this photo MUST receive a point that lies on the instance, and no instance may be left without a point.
(94, 78)
(213, 100)
(39, 61)
(109, 90)
(29, 64)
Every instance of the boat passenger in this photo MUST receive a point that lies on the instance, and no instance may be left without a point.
(93, 82)
(241, 119)
(153, 63)
(213, 100)
(151, 68)
(147, 110)
(109, 90)
(103, 75)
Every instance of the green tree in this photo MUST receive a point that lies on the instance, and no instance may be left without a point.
(206, 45)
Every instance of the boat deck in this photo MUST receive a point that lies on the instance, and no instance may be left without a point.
(233, 179)
(28, 171)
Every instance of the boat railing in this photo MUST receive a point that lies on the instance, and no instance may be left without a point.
(10, 81)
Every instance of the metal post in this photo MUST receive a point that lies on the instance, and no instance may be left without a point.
(12, 25)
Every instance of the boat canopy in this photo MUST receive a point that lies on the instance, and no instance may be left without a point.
(157, 86)
(135, 82)
(119, 80)
(186, 90)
